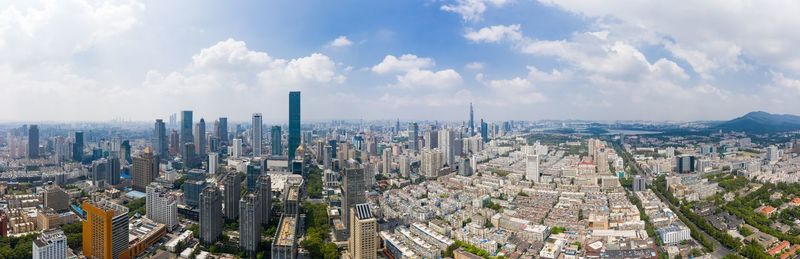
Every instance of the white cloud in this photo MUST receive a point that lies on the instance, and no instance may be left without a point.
(341, 41)
(495, 33)
(474, 66)
(472, 10)
(416, 78)
(407, 62)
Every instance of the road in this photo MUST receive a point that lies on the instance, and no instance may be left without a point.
(719, 250)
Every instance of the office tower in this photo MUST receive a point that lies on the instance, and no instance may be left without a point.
(99, 172)
(51, 244)
(265, 198)
(210, 215)
(188, 156)
(160, 139)
(212, 143)
(484, 131)
(386, 159)
(275, 140)
(249, 224)
(236, 148)
(161, 207)
(200, 138)
(327, 157)
(125, 151)
(62, 151)
(105, 230)
(33, 142)
(213, 162)
(233, 187)
(173, 121)
(363, 241)
(77, 147)
(222, 131)
(353, 189)
(432, 138)
(257, 133)
(465, 167)
(191, 191)
(113, 168)
(685, 164)
(447, 146)
(532, 168)
(294, 124)
(253, 171)
(639, 183)
(413, 136)
(471, 121)
(186, 127)
(174, 143)
(56, 198)
(145, 170)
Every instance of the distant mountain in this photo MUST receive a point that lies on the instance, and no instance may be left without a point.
(760, 121)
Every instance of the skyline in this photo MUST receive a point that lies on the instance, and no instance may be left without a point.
(413, 60)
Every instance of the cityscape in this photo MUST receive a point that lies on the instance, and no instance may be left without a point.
(463, 129)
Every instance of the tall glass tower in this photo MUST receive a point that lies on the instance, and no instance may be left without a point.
(186, 128)
(294, 123)
(258, 133)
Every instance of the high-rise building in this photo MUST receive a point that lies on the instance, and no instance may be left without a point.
(275, 141)
(447, 146)
(213, 162)
(56, 198)
(236, 148)
(161, 207)
(188, 156)
(249, 223)
(125, 151)
(77, 147)
(484, 131)
(113, 168)
(432, 162)
(200, 138)
(386, 160)
(265, 198)
(186, 127)
(464, 167)
(353, 189)
(471, 121)
(413, 136)
(253, 171)
(145, 170)
(160, 140)
(33, 142)
(222, 131)
(404, 166)
(294, 124)
(51, 244)
(210, 215)
(532, 168)
(685, 164)
(772, 152)
(258, 133)
(99, 168)
(191, 191)
(105, 230)
(639, 183)
(233, 186)
(363, 241)
(174, 143)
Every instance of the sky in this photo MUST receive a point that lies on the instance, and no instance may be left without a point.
(82, 60)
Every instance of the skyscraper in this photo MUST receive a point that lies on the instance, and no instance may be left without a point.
(186, 127)
(210, 215)
(363, 241)
(294, 124)
(413, 137)
(99, 168)
(257, 133)
(105, 230)
(33, 142)
(77, 147)
(532, 168)
(233, 186)
(236, 148)
(200, 138)
(253, 171)
(265, 198)
(145, 170)
(249, 224)
(113, 168)
(174, 143)
(160, 139)
(447, 146)
(484, 131)
(161, 207)
(275, 141)
(188, 155)
(353, 189)
(471, 121)
(222, 131)
(213, 162)
(125, 151)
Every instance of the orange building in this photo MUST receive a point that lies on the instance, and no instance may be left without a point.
(105, 231)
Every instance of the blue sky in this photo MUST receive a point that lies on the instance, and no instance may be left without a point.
(526, 60)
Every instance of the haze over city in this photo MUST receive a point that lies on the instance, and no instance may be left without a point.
(81, 60)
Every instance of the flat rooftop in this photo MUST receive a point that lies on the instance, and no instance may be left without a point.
(286, 234)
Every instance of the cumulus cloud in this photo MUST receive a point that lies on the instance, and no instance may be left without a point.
(495, 33)
(474, 66)
(472, 10)
(341, 41)
(406, 62)
(443, 79)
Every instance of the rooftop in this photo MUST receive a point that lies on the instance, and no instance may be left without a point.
(287, 232)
